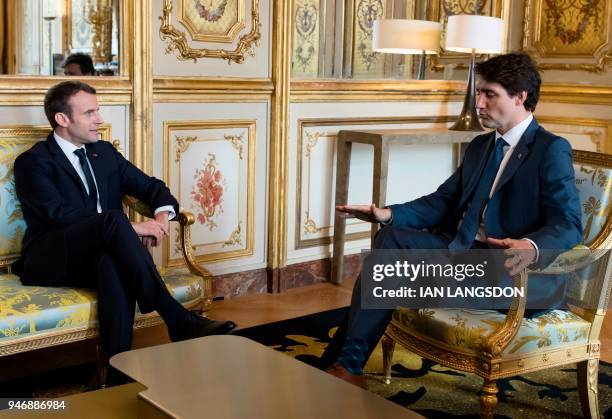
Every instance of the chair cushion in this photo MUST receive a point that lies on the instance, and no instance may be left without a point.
(33, 310)
(468, 328)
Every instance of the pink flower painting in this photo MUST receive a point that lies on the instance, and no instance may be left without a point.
(207, 193)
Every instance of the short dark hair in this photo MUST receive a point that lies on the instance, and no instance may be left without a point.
(83, 60)
(516, 72)
(56, 99)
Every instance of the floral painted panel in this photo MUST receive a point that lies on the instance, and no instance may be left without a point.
(210, 170)
(305, 59)
(572, 27)
(365, 61)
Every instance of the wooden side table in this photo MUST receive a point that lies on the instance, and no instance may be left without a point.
(381, 140)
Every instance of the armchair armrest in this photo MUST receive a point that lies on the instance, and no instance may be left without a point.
(572, 260)
(185, 219)
(497, 341)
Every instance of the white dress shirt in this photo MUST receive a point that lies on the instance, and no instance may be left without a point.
(68, 148)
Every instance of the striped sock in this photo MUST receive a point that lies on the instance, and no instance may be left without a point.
(353, 355)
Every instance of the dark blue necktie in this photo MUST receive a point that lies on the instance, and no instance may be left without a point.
(92, 198)
(471, 219)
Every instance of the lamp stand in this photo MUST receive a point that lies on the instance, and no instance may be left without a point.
(468, 120)
(421, 73)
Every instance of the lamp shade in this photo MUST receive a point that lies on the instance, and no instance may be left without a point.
(474, 33)
(405, 36)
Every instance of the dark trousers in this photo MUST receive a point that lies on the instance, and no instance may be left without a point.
(103, 252)
(370, 325)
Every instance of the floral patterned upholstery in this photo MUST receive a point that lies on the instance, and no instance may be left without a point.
(30, 310)
(468, 328)
(12, 226)
(594, 185)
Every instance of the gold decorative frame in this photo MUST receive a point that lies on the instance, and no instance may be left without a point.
(177, 41)
(603, 143)
(496, 8)
(540, 43)
(198, 35)
(303, 146)
(250, 126)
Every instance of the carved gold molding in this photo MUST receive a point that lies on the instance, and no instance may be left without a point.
(177, 41)
(31, 90)
(31, 132)
(432, 90)
(304, 148)
(376, 90)
(190, 85)
(239, 144)
(279, 134)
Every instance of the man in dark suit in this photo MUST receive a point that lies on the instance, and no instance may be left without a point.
(70, 188)
(514, 190)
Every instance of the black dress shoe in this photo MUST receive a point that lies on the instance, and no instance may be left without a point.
(197, 326)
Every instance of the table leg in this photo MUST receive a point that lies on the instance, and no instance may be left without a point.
(379, 183)
(343, 164)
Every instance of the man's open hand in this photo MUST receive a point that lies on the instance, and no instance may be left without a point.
(521, 253)
(367, 213)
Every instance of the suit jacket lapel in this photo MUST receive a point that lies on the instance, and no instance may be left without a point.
(518, 156)
(473, 182)
(61, 159)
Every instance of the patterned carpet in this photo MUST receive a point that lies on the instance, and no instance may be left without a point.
(420, 385)
(435, 391)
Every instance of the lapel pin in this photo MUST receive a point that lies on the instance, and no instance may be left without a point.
(520, 155)
(95, 155)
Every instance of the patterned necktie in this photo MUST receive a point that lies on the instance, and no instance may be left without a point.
(92, 201)
(471, 219)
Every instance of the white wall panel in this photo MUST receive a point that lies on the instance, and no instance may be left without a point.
(211, 122)
(413, 170)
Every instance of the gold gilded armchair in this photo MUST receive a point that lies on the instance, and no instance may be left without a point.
(495, 345)
(33, 317)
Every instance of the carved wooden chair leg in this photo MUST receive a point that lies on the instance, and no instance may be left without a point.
(488, 399)
(388, 346)
(587, 387)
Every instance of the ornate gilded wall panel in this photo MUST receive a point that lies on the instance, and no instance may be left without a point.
(209, 166)
(569, 34)
(316, 142)
(308, 18)
(440, 11)
(207, 20)
(583, 134)
(212, 20)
